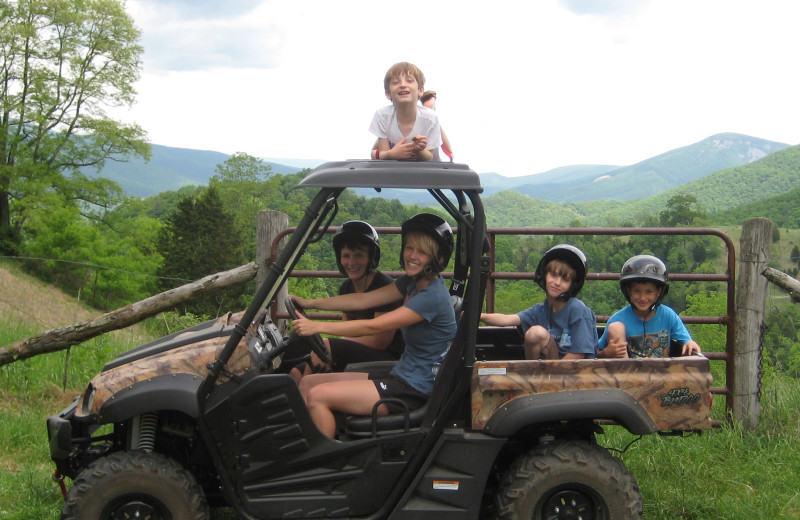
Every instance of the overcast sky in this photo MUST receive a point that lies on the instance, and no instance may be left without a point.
(522, 86)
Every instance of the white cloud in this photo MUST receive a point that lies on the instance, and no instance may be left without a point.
(523, 86)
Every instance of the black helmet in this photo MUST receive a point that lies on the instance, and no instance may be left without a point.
(357, 232)
(572, 256)
(440, 231)
(644, 268)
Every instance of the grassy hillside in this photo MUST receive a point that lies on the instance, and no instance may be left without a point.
(34, 389)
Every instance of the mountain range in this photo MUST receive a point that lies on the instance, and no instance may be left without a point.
(170, 169)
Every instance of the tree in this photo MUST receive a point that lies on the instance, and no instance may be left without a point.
(198, 240)
(62, 64)
(241, 183)
(794, 256)
(681, 210)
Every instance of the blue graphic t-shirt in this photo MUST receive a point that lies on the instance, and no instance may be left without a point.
(649, 338)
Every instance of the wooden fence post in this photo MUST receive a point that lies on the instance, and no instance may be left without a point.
(751, 293)
(270, 224)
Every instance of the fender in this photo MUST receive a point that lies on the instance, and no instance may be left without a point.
(165, 392)
(569, 405)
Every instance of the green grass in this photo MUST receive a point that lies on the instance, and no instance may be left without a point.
(727, 473)
(31, 391)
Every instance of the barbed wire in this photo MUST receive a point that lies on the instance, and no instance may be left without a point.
(97, 266)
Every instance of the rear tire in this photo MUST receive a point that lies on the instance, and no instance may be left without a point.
(568, 480)
(135, 484)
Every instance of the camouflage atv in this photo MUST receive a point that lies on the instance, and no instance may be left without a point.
(209, 417)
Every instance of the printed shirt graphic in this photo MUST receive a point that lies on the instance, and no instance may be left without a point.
(649, 338)
(649, 345)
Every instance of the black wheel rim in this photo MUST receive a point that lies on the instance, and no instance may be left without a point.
(136, 506)
(572, 502)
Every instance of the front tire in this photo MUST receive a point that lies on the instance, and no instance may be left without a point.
(568, 480)
(135, 484)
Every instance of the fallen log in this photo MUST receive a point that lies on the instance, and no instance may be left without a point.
(784, 281)
(64, 337)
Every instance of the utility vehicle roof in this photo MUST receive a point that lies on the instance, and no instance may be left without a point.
(393, 174)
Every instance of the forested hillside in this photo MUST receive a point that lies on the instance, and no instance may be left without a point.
(783, 210)
(772, 176)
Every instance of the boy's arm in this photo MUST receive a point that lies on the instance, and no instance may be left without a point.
(496, 319)
(690, 347)
(679, 331)
(615, 348)
(380, 149)
(421, 152)
(353, 301)
(616, 344)
(446, 146)
(401, 151)
(425, 155)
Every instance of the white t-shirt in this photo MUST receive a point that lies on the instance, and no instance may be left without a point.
(384, 126)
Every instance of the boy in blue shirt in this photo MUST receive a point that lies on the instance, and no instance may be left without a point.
(644, 328)
(562, 326)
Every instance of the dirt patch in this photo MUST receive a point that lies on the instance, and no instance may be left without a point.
(23, 298)
(40, 307)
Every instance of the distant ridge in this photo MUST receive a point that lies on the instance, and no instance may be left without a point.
(767, 187)
(170, 169)
(173, 168)
(658, 174)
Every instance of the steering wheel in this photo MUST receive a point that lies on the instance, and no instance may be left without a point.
(315, 341)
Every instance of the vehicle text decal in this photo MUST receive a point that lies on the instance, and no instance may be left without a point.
(679, 396)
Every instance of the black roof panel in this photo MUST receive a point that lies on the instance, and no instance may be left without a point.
(393, 174)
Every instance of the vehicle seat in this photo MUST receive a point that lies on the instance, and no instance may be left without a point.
(365, 426)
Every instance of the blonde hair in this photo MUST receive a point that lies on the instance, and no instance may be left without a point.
(399, 69)
(427, 245)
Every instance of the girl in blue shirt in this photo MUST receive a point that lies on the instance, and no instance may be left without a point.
(426, 320)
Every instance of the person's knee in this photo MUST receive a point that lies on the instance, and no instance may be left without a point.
(306, 384)
(616, 330)
(536, 336)
(315, 396)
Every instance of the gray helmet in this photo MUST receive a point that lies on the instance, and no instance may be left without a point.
(574, 257)
(439, 230)
(361, 233)
(644, 268)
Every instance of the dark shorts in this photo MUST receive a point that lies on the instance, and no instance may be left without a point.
(391, 386)
(344, 352)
